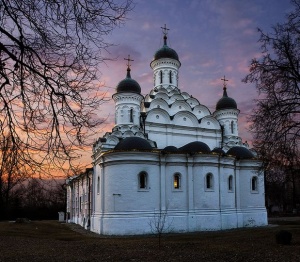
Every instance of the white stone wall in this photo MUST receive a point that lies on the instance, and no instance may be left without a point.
(122, 208)
(168, 134)
(79, 198)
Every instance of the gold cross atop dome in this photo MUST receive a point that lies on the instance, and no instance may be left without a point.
(128, 61)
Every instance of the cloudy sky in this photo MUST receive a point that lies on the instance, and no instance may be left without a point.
(213, 38)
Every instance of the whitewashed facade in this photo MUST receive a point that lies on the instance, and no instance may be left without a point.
(79, 198)
(168, 154)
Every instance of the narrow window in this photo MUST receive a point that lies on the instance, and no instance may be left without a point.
(176, 181)
(143, 180)
(232, 127)
(131, 115)
(254, 183)
(170, 76)
(230, 183)
(79, 204)
(209, 181)
(98, 185)
(161, 77)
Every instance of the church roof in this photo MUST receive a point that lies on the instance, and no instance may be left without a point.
(130, 143)
(194, 147)
(165, 52)
(240, 152)
(170, 149)
(218, 150)
(128, 85)
(226, 102)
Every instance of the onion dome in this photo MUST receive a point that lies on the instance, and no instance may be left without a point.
(128, 85)
(131, 143)
(196, 146)
(226, 102)
(165, 52)
(218, 150)
(240, 152)
(170, 149)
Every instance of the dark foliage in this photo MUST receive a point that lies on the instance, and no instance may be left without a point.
(276, 118)
(36, 200)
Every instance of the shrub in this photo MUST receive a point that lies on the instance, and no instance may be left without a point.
(284, 237)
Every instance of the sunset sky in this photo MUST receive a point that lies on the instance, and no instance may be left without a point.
(213, 38)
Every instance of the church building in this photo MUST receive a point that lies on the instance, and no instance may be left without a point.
(168, 159)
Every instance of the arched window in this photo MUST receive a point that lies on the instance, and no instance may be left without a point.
(230, 183)
(209, 181)
(143, 180)
(232, 127)
(170, 77)
(161, 76)
(176, 181)
(254, 186)
(98, 185)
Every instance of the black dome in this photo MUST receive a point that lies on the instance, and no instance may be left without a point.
(218, 150)
(196, 146)
(165, 52)
(226, 102)
(128, 85)
(240, 152)
(170, 149)
(130, 143)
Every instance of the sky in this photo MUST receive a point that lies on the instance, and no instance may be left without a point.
(212, 38)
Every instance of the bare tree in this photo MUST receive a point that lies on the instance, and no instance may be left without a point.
(12, 172)
(276, 119)
(159, 224)
(49, 53)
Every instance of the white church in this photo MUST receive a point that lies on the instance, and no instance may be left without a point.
(168, 158)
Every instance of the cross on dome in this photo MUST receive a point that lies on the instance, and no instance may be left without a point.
(128, 61)
(224, 81)
(165, 30)
(224, 86)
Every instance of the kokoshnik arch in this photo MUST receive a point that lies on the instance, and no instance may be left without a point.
(168, 154)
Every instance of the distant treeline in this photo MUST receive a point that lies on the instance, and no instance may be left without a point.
(35, 199)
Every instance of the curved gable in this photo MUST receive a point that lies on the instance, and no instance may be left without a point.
(128, 133)
(201, 111)
(159, 103)
(174, 92)
(210, 122)
(163, 96)
(112, 140)
(192, 101)
(173, 98)
(158, 115)
(179, 105)
(185, 118)
(185, 95)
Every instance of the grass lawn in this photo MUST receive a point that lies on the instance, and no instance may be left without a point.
(53, 241)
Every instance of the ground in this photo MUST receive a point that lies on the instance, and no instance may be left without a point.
(54, 241)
